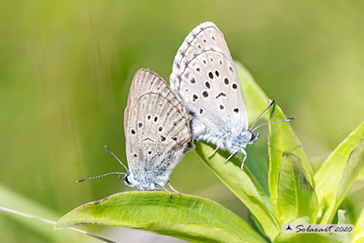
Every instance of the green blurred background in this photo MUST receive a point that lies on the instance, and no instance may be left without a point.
(66, 68)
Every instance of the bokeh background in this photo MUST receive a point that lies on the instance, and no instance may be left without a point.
(66, 69)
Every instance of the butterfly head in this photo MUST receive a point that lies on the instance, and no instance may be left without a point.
(253, 137)
(145, 185)
(247, 137)
(244, 138)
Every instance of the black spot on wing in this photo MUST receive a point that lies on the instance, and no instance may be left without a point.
(221, 94)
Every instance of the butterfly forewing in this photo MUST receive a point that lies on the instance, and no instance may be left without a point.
(146, 81)
(156, 129)
(206, 80)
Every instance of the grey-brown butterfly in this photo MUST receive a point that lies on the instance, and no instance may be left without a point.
(205, 78)
(156, 133)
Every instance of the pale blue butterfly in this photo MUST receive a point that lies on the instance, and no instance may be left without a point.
(205, 79)
(156, 133)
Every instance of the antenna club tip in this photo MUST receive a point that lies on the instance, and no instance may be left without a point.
(107, 148)
(272, 102)
(292, 118)
(78, 181)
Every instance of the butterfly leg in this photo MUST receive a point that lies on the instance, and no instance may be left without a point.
(231, 155)
(217, 147)
(169, 184)
(235, 152)
(170, 195)
(245, 155)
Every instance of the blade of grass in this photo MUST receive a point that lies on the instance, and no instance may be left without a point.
(37, 223)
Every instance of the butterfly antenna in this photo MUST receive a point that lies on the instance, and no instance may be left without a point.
(99, 176)
(108, 150)
(285, 120)
(262, 113)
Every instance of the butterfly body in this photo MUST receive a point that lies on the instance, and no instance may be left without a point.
(225, 136)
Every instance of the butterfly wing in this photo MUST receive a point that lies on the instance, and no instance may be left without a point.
(156, 128)
(205, 78)
(146, 81)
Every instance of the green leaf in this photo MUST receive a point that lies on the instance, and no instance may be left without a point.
(186, 217)
(352, 168)
(282, 138)
(338, 172)
(242, 186)
(303, 238)
(296, 197)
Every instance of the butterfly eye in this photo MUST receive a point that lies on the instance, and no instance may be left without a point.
(252, 136)
(126, 180)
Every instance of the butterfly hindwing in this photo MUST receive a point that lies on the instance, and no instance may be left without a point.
(205, 78)
(156, 128)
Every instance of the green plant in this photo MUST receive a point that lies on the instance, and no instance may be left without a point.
(296, 194)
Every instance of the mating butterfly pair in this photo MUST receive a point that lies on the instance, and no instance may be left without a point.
(204, 84)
